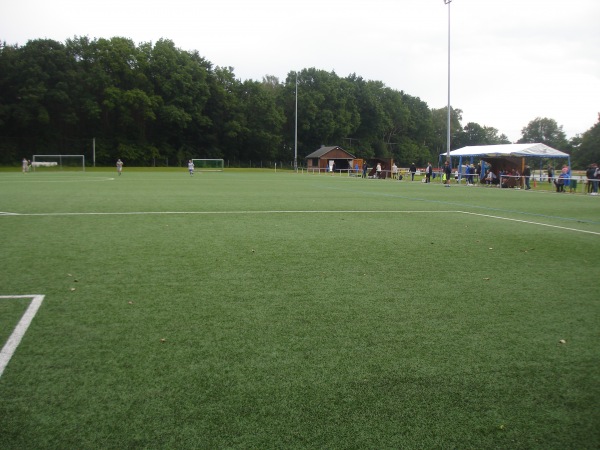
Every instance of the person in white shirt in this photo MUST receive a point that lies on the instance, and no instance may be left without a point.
(191, 167)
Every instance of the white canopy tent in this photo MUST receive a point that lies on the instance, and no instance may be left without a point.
(508, 151)
(518, 150)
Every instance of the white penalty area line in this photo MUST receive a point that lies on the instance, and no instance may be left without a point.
(529, 222)
(15, 338)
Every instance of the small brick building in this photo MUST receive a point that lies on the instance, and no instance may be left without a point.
(323, 158)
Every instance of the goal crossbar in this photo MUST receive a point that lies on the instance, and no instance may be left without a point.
(58, 162)
(208, 165)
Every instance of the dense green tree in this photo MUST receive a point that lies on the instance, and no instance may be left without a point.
(327, 110)
(475, 134)
(157, 104)
(544, 131)
(41, 107)
(439, 135)
(371, 127)
(586, 148)
(263, 122)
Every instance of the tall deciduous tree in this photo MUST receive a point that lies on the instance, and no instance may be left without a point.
(544, 131)
(588, 149)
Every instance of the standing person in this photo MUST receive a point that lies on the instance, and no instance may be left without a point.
(365, 169)
(428, 171)
(470, 174)
(191, 167)
(394, 171)
(527, 175)
(590, 174)
(119, 166)
(550, 174)
(378, 170)
(447, 173)
(25, 165)
(413, 170)
(596, 180)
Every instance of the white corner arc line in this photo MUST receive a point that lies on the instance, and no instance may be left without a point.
(15, 338)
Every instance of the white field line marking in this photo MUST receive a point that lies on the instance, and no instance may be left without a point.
(529, 222)
(78, 180)
(141, 213)
(15, 338)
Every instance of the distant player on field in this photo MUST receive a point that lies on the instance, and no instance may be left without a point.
(119, 166)
(191, 167)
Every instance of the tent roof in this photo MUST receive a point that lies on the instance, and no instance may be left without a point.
(491, 151)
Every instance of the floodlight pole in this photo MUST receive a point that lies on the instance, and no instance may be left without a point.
(447, 2)
(296, 130)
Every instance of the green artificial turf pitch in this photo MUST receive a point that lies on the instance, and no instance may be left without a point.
(280, 310)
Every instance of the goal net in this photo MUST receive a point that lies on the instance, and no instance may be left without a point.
(208, 165)
(72, 163)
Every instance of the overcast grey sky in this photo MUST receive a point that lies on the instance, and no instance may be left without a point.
(511, 60)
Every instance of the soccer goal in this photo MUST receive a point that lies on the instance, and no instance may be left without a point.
(209, 165)
(71, 163)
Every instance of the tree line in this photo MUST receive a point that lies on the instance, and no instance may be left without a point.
(155, 104)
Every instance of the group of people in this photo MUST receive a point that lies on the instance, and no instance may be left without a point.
(26, 164)
(395, 172)
(505, 178)
(378, 170)
(120, 167)
(508, 178)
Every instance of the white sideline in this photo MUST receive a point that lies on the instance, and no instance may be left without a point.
(15, 338)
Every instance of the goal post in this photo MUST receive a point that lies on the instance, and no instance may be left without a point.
(209, 165)
(71, 163)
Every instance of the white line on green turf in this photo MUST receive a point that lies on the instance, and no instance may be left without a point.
(529, 222)
(15, 338)
(64, 180)
(141, 213)
(137, 213)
